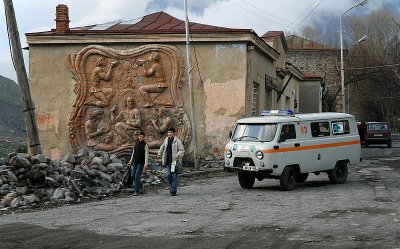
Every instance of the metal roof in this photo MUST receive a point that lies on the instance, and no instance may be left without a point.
(297, 42)
(155, 23)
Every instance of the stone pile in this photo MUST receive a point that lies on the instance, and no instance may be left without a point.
(31, 181)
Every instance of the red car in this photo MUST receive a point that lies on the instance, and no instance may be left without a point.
(375, 133)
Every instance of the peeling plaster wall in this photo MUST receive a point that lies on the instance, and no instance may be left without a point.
(51, 88)
(222, 67)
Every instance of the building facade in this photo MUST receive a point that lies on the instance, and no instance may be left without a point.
(98, 86)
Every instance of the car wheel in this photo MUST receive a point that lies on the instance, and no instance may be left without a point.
(300, 178)
(288, 178)
(338, 174)
(246, 180)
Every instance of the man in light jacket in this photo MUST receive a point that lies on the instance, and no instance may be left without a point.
(171, 150)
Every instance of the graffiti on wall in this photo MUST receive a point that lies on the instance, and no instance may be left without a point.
(122, 92)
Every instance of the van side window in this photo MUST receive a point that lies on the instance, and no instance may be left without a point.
(320, 129)
(340, 127)
(288, 132)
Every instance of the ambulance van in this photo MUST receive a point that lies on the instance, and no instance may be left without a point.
(287, 146)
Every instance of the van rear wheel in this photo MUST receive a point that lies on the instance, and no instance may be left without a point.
(246, 180)
(338, 174)
(288, 178)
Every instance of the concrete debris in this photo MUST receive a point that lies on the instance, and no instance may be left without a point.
(31, 181)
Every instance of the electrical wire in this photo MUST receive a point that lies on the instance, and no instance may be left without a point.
(307, 15)
(261, 10)
(255, 13)
(195, 56)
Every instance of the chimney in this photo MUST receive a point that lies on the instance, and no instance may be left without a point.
(62, 19)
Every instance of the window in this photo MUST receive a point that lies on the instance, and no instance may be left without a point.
(254, 132)
(340, 127)
(377, 127)
(288, 132)
(320, 129)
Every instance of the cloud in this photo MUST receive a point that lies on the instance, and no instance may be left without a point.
(196, 7)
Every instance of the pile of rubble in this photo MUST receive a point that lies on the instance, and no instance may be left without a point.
(31, 181)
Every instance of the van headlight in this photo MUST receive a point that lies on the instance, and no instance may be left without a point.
(259, 155)
(228, 154)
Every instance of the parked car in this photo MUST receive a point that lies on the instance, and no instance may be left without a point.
(375, 133)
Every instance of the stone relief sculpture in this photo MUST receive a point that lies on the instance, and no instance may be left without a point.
(129, 121)
(121, 92)
(157, 74)
(97, 96)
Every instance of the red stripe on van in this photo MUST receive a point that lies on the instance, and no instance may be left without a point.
(311, 147)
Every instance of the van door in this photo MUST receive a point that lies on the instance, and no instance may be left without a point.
(321, 136)
(289, 151)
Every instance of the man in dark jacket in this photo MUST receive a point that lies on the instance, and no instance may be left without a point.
(140, 158)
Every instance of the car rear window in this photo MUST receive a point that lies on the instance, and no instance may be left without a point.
(377, 127)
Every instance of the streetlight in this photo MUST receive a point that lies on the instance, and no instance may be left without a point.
(359, 3)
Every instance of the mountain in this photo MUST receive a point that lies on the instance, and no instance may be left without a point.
(12, 124)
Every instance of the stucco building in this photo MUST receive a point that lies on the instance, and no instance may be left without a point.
(98, 86)
(317, 59)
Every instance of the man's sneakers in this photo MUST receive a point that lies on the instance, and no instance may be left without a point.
(173, 193)
(136, 193)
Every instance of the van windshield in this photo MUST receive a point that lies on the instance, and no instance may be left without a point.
(254, 132)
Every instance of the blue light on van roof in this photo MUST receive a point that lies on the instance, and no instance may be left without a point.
(276, 112)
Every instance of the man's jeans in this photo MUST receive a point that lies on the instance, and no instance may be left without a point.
(136, 173)
(172, 179)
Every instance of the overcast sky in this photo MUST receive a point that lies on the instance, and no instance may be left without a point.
(259, 15)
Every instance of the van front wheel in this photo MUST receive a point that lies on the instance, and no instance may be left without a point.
(288, 178)
(338, 174)
(246, 180)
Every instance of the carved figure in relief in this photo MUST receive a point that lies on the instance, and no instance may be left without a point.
(160, 124)
(129, 121)
(162, 121)
(98, 97)
(107, 144)
(92, 127)
(155, 71)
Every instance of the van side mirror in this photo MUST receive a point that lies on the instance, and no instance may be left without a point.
(282, 138)
(230, 134)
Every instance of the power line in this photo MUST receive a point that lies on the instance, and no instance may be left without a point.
(308, 14)
(261, 10)
(258, 14)
(305, 10)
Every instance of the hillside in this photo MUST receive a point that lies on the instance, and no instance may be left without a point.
(12, 125)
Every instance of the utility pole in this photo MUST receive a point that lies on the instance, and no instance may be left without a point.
(18, 60)
(189, 67)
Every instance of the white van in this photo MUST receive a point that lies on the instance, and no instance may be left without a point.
(289, 146)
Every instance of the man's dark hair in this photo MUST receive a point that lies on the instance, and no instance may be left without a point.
(171, 129)
(142, 133)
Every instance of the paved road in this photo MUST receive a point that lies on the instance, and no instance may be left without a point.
(216, 213)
